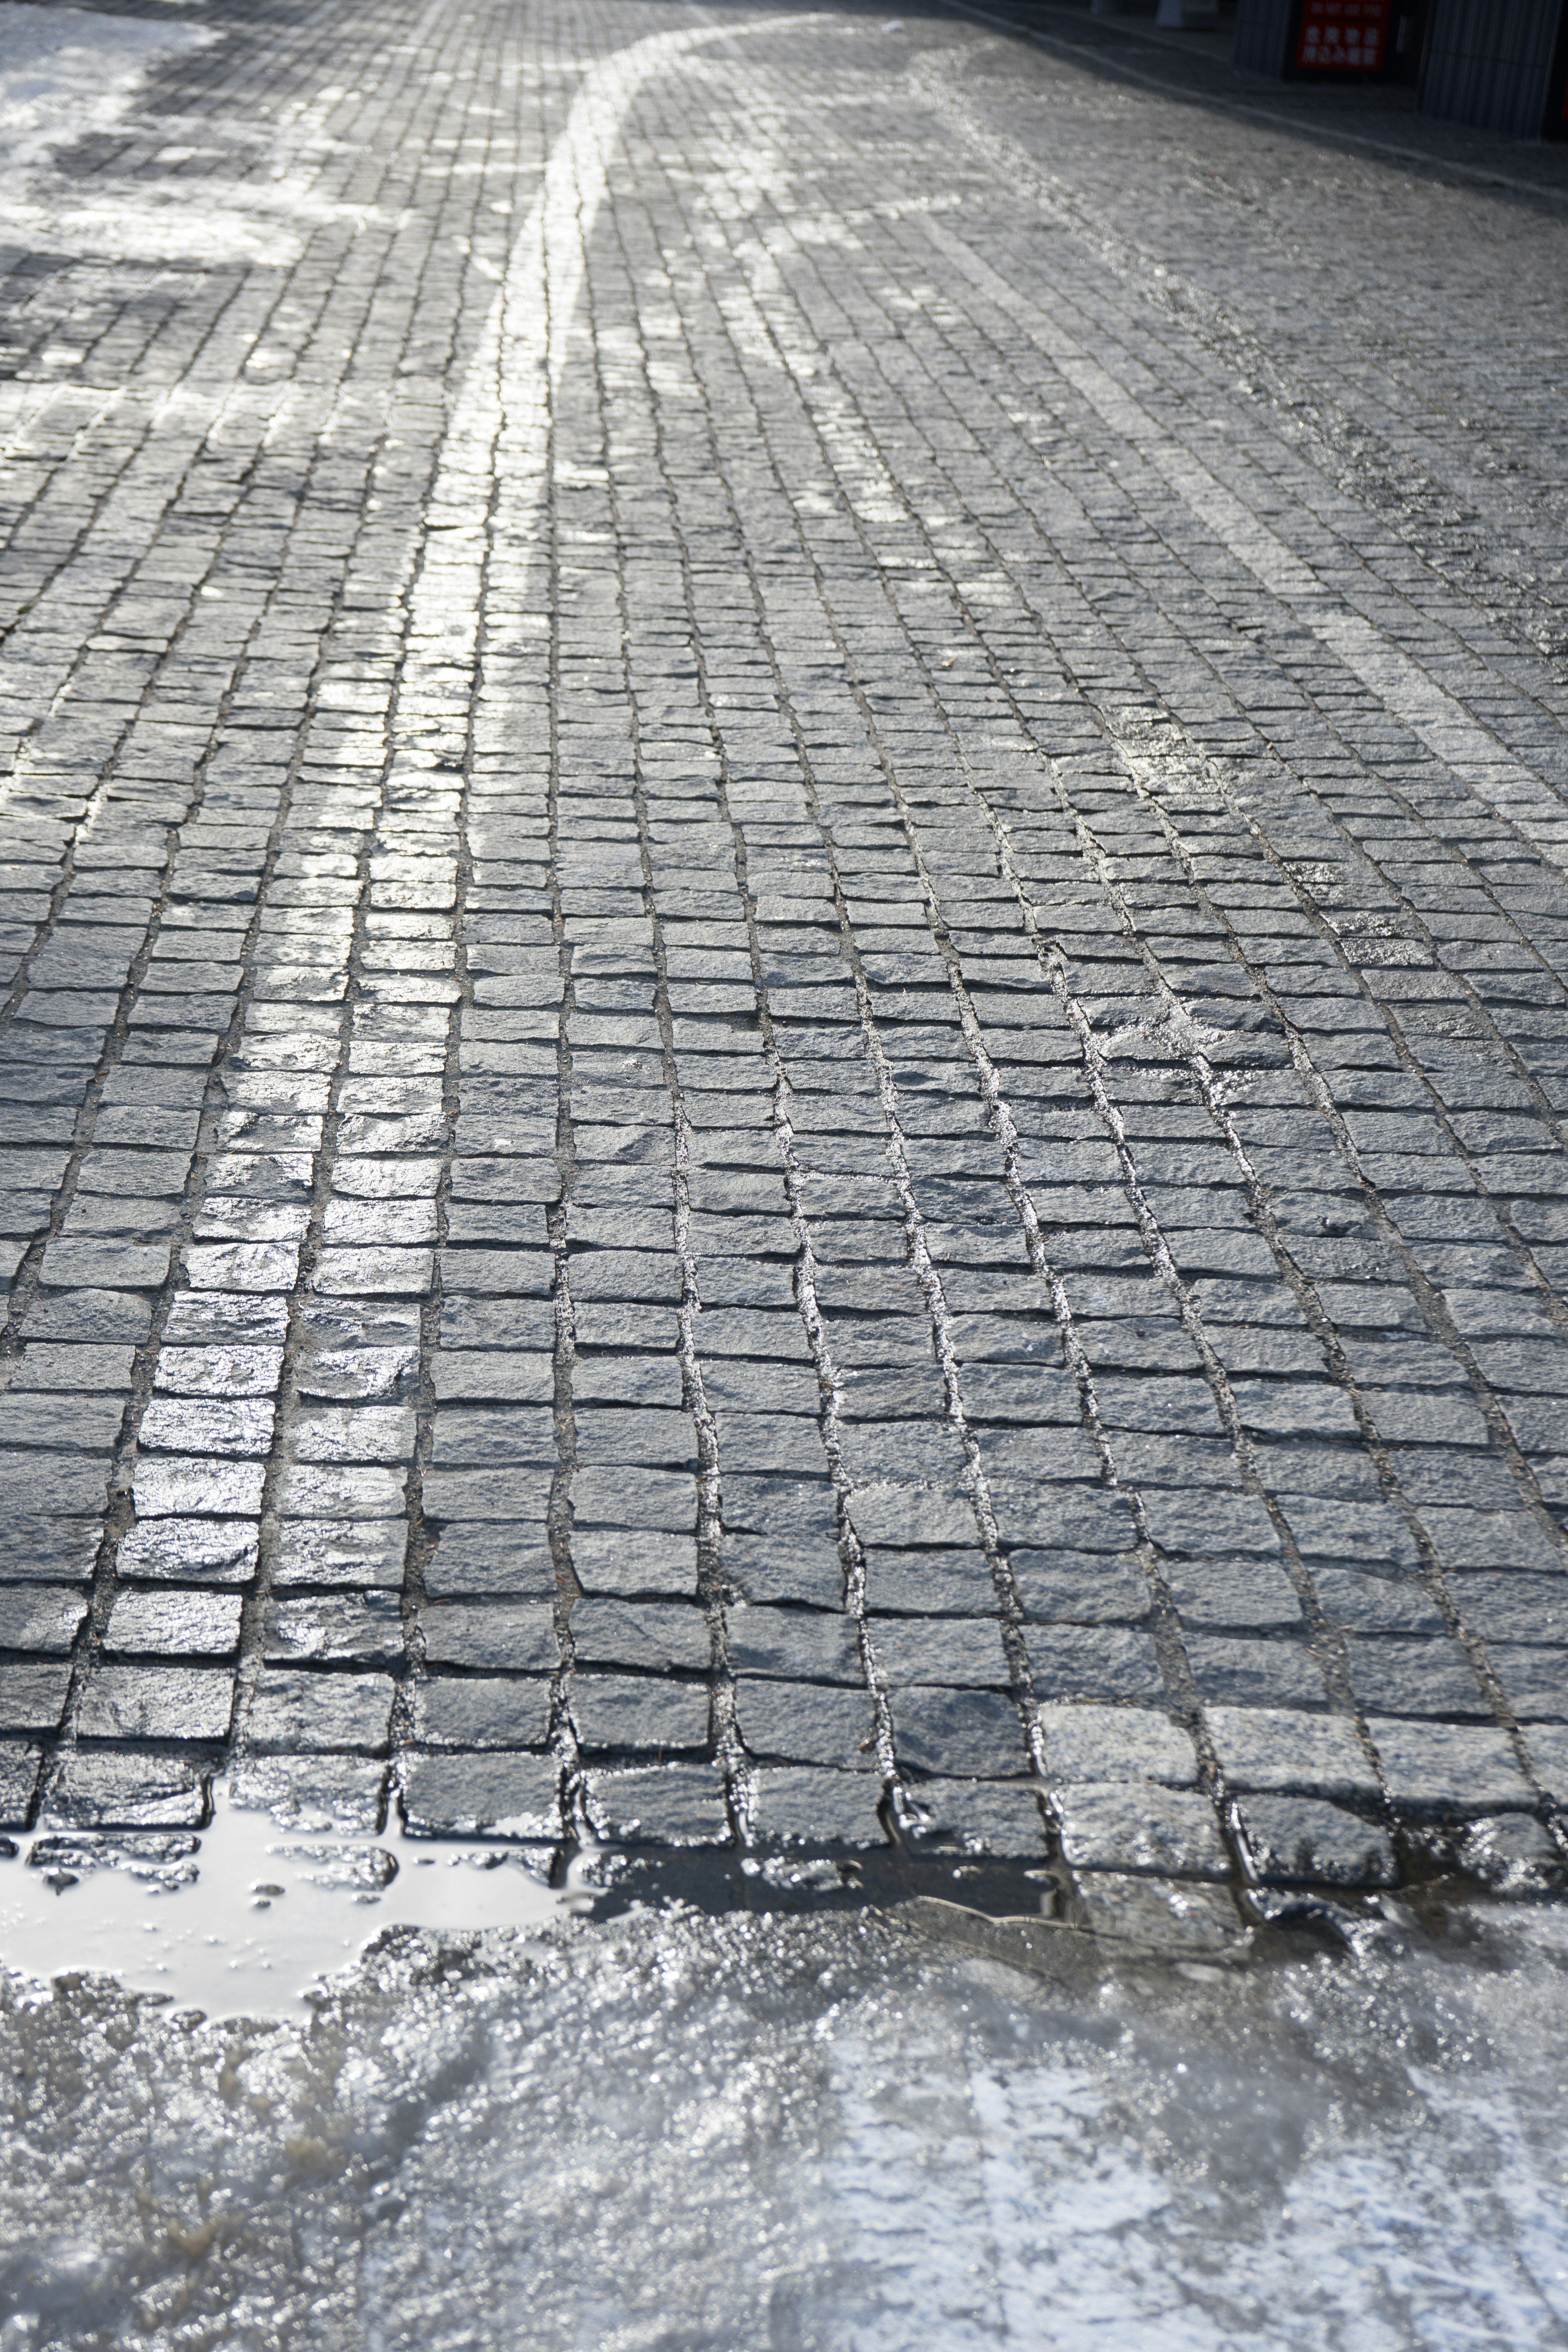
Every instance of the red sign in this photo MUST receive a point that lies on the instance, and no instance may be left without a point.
(1342, 35)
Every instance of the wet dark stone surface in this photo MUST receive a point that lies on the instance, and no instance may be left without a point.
(785, 1052)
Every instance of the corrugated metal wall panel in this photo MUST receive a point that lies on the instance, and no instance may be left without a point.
(1263, 35)
(1490, 63)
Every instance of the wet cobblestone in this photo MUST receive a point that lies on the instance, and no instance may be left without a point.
(786, 953)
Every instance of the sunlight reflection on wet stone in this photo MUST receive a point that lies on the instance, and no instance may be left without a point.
(672, 2130)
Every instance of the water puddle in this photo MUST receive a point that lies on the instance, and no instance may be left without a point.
(245, 1916)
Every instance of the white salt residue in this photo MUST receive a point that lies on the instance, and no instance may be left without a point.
(666, 2133)
(67, 74)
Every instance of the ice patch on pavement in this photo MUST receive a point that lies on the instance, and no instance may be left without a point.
(67, 74)
(669, 2133)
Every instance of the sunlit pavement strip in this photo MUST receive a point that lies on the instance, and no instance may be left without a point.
(785, 1047)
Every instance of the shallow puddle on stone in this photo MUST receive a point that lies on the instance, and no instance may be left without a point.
(242, 1917)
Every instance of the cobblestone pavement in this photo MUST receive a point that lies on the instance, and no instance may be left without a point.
(787, 950)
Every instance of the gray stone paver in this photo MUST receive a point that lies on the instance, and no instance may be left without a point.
(783, 892)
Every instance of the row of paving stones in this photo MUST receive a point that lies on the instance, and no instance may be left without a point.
(782, 1059)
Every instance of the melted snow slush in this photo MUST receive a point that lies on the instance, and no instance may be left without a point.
(668, 2129)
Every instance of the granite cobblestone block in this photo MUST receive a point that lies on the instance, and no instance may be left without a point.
(822, 1084)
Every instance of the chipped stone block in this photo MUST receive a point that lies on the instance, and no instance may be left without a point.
(508, 1636)
(1266, 1747)
(213, 1551)
(672, 1804)
(18, 1779)
(137, 1702)
(370, 1552)
(797, 1804)
(320, 1710)
(1128, 1826)
(1447, 1767)
(1383, 1601)
(512, 1795)
(1182, 1920)
(1290, 1838)
(806, 1722)
(366, 1627)
(1513, 1855)
(999, 1817)
(1116, 1743)
(310, 1793)
(957, 1732)
(89, 1789)
(359, 1491)
(638, 1711)
(483, 1711)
